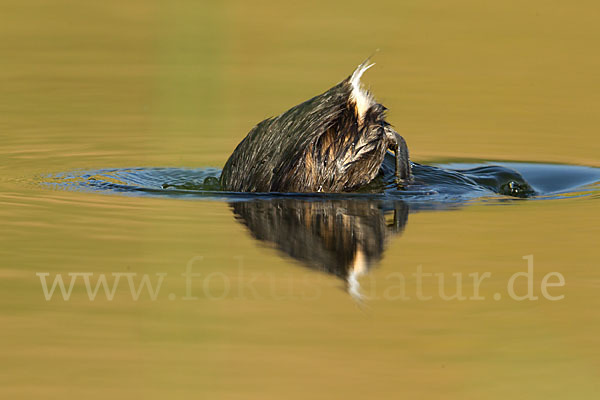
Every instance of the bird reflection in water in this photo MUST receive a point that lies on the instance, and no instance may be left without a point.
(337, 236)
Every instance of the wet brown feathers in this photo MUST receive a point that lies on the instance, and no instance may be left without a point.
(334, 142)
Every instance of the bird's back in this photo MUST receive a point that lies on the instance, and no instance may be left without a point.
(331, 143)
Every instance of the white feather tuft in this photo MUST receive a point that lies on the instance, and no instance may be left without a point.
(359, 268)
(362, 98)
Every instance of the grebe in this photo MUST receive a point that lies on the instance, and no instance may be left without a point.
(334, 142)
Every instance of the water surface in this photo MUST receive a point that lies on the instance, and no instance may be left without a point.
(170, 89)
(345, 234)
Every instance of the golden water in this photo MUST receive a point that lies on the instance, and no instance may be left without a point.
(121, 84)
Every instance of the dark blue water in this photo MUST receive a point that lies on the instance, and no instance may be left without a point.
(444, 183)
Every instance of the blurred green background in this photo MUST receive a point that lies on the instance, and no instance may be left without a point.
(87, 85)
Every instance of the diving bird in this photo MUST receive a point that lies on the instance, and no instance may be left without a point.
(334, 142)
